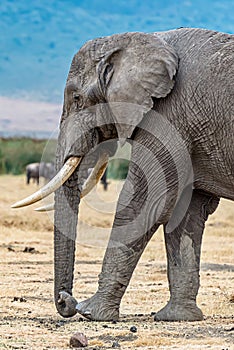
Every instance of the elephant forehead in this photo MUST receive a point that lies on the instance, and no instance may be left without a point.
(96, 49)
(82, 72)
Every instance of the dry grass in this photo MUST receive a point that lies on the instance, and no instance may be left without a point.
(28, 319)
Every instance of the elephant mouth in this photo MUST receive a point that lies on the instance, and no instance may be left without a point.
(62, 176)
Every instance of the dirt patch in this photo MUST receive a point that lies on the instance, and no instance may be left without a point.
(28, 319)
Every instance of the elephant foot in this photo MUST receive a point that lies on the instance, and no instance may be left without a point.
(97, 308)
(177, 312)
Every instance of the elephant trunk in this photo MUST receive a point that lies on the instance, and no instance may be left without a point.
(67, 200)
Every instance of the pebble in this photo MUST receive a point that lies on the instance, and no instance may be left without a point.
(29, 250)
(133, 329)
(78, 340)
(20, 299)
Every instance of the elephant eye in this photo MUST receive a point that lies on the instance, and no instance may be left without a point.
(78, 101)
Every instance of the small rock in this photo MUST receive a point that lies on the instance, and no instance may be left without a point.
(115, 345)
(29, 250)
(230, 329)
(20, 299)
(78, 340)
(133, 329)
(10, 248)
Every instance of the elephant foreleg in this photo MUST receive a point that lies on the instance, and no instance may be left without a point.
(127, 242)
(183, 246)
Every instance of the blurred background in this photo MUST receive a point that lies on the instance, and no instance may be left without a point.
(38, 40)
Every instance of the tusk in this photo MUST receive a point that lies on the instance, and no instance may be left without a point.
(65, 172)
(92, 180)
(47, 207)
(95, 175)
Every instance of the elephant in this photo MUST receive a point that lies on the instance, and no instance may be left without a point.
(104, 181)
(170, 95)
(47, 170)
(32, 172)
(36, 170)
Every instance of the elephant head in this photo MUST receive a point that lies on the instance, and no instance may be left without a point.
(124, 68)
(106, 75)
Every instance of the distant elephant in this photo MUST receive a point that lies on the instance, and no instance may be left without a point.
(36, 170)
(32, 172)
(171, 95)
(47, 170)
(104, 181)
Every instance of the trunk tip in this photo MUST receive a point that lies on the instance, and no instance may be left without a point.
(66, 304)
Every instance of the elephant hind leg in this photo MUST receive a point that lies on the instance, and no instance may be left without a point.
(183, 246)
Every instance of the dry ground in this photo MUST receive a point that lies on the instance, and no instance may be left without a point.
(28, 319)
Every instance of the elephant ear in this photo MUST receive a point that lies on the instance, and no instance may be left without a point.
(141, 67)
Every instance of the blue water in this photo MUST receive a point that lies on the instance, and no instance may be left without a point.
(39, 38)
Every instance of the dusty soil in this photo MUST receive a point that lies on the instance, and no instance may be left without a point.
(28, 319)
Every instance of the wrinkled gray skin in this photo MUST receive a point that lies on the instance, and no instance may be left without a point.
(187, 77)
(36, 170)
